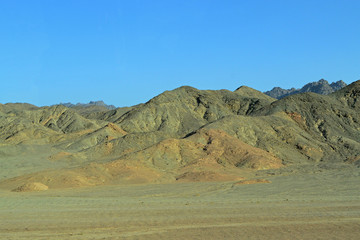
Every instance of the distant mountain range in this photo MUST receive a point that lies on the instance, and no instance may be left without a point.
(90, 104)
(321, 87)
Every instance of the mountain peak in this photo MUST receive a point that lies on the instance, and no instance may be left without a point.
(350, 93)
(91, 103)
(321, 87)
(252, 93)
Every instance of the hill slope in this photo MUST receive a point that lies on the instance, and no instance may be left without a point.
(181, 135)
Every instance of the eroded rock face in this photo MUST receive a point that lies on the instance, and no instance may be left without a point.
(230, 151)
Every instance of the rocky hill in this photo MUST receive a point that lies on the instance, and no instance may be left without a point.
(92, 106)
(321, 87)
(181, 135)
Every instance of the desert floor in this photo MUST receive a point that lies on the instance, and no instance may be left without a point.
(323, 205)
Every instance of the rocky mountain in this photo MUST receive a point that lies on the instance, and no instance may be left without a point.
(181, 135)
(321, 87)
(87, 105)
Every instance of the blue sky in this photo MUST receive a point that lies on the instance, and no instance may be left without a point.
(126, 52)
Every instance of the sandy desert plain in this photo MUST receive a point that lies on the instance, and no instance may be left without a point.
(187, 164)
(320, 204)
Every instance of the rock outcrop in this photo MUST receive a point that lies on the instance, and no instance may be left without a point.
(321, 87)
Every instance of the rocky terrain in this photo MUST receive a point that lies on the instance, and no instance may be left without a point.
(321, 87)
(187, 164)
(183, 135)
(90, 104)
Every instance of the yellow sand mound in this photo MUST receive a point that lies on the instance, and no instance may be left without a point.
(31, 187)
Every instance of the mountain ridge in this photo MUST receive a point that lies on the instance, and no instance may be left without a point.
(184, 134)
(91, 103)
(321, 87)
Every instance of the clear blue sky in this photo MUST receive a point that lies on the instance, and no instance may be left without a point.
(126, 52)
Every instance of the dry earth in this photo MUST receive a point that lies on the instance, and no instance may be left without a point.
(187, 164)
(320, 205)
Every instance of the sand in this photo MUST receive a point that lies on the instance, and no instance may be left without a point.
(323, 205)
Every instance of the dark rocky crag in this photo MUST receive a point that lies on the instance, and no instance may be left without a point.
(91, 103)
(321, 87)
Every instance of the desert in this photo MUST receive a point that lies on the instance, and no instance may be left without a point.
(324, 204)
(173, 119)
(187, 164)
